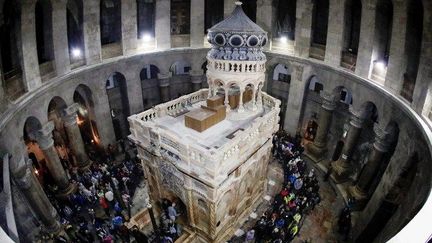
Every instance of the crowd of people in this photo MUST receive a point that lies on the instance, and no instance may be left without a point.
(282, 221)
(100, 207)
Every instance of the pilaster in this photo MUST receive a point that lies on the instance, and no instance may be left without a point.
(197, 23)
(303, 31)
(367, 33)
(129, 26)
(60, 40)
(333, 53)
(163, 24)
(92, 41)
(29, 59)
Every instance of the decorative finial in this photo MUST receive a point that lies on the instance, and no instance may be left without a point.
(238, 3)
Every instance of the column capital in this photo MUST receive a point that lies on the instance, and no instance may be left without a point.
(381, 139)
(328, 101)
(164, 79)
(21, 172)
(356, 118)
(70, 115)
(44, 136)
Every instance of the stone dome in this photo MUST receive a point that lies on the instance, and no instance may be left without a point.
(237, 38)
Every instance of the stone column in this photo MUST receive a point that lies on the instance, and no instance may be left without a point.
(226, 102)
(303, 31)
(265, 18)
(163, 24)
(397, 60)
(360, 191)
(197, 23)
(229, 6)
(91, 22)
(75, 140)
(196, 79)
(36, 197)
(367, 33)
(240, 108)
(342, 168)
(60, 40)
(254, 99)
(422, 98)
(129, 26)
(29, 59)
(333, 54)
(46, 144)
(164, 83)
(319, 147)
(3, 100)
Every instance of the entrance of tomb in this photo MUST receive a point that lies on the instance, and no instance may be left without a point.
(182, 218)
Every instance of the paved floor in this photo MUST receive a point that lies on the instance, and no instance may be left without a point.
(321, 223)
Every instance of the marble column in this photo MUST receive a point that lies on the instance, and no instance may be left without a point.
(226, 102)
(333, 54)
(197, 23)
(397, 57)
(129, 26)
(164, 86)
(265, 17)
(29, 58)
(341, 168)
(240, 108)
(163, 24)
(46, 143)
(91, 22)
(319, 147)
(75, 140)
(60, 40)
(367, 33)
(196, 79)
(32, 190)
(360, 191)
(303, 31)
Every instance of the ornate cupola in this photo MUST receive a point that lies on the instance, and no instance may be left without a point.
(236, 62)
(237, 38)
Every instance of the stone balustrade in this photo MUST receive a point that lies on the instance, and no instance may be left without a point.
(231, 66)
(186, 156)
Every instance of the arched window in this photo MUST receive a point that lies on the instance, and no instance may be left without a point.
(214, 13)
(44, 41)
(320, 15)
(74, 18)
(146, 14)
(180, 17)
(286, 19)
(250, 9)
(282, 73)
(110, 21)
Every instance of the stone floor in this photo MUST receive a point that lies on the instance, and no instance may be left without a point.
(321, 223)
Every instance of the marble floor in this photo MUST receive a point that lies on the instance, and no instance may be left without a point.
(320, 225)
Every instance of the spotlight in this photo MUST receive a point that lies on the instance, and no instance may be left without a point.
(76, 53)
(380, 65)
(284, 39)
(146, 37)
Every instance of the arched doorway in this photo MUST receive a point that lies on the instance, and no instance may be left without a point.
(150, 86)
(116, 89)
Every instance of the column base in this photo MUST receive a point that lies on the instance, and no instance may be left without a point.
(361, 198)
(85, 166)
(64, 193)
(340, 171)
(52, 229)
(314, 152)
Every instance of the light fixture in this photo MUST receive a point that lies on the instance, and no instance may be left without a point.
(76, 53)
(146, 37)
(380, 65)
(283, 39)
